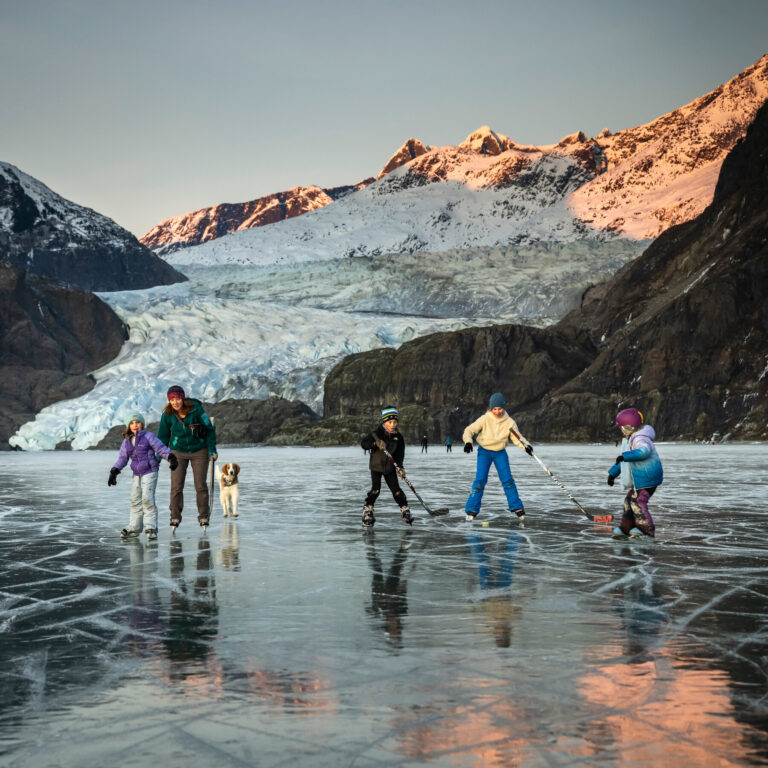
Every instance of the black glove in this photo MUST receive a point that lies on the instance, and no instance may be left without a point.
(619, 458)
(611, 480)
(173, 461)
(529, 449)
(467, 447)
(113, 473)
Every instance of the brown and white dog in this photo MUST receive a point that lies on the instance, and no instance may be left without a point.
(229, 492)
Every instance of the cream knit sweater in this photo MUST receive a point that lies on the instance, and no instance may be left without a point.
(492, 433)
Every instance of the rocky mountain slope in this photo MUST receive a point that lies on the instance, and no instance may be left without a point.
(490, 191)
(681, 333)
(48, 345)
(43, 233)
(218, 220)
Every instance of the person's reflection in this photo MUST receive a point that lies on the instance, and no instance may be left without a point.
(389, 598)
(193, 620)
(144, 617)
(643, 612)
(229, 552)
(494, 582)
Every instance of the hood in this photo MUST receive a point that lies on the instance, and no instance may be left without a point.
(646, 431)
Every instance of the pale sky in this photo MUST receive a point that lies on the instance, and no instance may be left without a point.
(145, 109)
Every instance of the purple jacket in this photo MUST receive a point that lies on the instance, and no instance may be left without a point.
(142, 453)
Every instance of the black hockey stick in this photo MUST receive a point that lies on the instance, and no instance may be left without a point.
(589, 515)
(432, 512)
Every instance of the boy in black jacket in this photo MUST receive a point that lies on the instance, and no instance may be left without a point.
(386, 437)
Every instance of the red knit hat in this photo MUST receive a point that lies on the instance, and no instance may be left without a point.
(175, 391)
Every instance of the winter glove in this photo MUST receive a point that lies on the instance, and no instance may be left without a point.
(619, 458)
(467, 447)
(400, 473)
(380, 445)
(113, 473)
(611, 480)
(529, 449)
(173, 461)
(214, 456)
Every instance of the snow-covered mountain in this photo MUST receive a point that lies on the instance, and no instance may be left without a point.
(44, 233)
(491, 191)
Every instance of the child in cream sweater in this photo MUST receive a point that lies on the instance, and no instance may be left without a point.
(494, 430)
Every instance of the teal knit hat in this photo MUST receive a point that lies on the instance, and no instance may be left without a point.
(135, 417)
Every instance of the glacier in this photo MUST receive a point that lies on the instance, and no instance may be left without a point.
(236, 331)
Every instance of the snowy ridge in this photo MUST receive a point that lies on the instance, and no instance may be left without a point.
(46, 205)
(664, 173)
(637, 182)
(408, 212)
(216, 221)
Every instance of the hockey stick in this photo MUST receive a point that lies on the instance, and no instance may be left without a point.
(212, 490)
(432, 512)
(589, 515)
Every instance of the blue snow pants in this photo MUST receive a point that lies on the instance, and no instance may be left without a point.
(501, 461)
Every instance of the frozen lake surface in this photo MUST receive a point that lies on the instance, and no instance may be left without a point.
(293, 637)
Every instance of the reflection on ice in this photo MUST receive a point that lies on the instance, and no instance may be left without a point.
(293, 637)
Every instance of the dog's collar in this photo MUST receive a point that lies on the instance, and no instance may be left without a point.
(229, 482)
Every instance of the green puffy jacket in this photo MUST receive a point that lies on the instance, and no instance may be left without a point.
(179, 434)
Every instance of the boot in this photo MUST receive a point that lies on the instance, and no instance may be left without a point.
(407, 516)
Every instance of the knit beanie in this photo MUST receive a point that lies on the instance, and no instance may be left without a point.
(175, 391)
(135, 417)
(389, 413)
(497, 401)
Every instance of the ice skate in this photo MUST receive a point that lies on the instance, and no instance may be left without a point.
(635, 532)
(151, 534)
(618, 533)
(520, 515)
(407, 516)
(128, 533)
(204, 524)
(470, 518)
(368, 518)
(174, 525)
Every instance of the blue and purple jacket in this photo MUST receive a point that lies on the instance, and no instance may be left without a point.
(641, 460)
(142, 453)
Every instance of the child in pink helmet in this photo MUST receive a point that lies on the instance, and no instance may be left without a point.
(641, 473)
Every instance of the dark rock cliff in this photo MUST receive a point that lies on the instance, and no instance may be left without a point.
(50, 338)
(681, 333)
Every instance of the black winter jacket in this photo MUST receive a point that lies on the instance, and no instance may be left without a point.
(393, 442)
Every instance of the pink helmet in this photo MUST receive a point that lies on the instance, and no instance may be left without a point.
(629, 417)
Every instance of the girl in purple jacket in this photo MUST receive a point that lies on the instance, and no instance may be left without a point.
(141, 448)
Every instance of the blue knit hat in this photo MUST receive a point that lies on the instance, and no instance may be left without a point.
(497, 401)
(135, 417)
(389, 413)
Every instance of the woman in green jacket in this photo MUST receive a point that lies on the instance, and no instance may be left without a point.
(186, 429)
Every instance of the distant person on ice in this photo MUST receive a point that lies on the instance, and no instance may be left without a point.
(189, 433)
(140, 448)
(424, 444)
(641, 473)
(385, 437)
(448, 444)
(493, 431)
